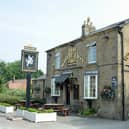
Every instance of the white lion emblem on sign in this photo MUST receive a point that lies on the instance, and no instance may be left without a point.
(29, 60)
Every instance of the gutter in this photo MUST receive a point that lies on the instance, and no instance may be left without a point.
(122, 73)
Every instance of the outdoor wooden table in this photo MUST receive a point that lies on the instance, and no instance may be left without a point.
(23, 102)
(57, 108)
(54, 106)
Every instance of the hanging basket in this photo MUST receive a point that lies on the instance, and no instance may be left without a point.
(108, 93)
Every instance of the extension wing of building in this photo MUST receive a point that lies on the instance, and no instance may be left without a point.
(93, 70)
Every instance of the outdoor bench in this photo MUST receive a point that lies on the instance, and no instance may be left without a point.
(64, 111)
(59, 108)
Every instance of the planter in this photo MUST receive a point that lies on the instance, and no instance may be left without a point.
(20, 112)
(8, 109)
(39, 117)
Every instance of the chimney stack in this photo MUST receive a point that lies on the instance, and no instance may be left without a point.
(87, 27)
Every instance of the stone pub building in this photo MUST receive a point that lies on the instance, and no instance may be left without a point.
(92, 71)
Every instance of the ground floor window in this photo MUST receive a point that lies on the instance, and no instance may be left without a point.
(91, 85)
(55, 90)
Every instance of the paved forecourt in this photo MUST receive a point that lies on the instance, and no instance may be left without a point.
(68, 122)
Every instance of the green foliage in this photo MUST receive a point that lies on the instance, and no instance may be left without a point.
(9, 71)
(9, 99)
(17, 92)
(2, 73)
(37, 74)
(48, 111)
(22, 108)
(108, 93)
(5, 104)
(14, 70)
(11, 96)
(32, 110)
(2, 88)
(38, 111)
(13, 92)
(87, 112)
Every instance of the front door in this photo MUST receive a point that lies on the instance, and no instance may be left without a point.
(67, 93)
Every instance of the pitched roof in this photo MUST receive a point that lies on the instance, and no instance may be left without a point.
(117, 24)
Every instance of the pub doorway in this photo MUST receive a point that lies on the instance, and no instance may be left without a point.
(67, 94)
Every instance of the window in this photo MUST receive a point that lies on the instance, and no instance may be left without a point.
(57, 60)
(92, 53)
(55, 90)
(90, 85)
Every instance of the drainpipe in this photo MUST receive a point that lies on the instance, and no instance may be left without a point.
(122, 73)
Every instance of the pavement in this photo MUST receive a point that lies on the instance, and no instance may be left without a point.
(68, 122)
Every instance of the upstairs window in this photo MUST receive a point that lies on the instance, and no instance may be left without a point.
(92, 53)
(57, 61)
(91, 85)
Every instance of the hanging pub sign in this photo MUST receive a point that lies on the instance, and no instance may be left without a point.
(29, 59)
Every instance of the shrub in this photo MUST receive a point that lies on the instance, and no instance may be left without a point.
(9, 99)
(87, 112)
(108, 93)
(32, 110)
(36, 110)
(5, 104)
(11, 96)
(22, 108)
(48, 111)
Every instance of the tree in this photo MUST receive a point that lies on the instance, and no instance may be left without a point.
(14, 71)
(2, 72)
(9, 71)
(37, 74)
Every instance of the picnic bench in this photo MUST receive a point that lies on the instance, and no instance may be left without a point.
(59, 108)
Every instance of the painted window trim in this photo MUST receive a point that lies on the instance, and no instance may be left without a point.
(90, 45)
(53, 88)
(88, 74)
(91, 62)
(58, 64)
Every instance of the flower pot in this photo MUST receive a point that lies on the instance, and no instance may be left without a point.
(39, 117)
(20, 112)
(5, 109)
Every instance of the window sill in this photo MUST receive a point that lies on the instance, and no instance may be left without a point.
(92, 62)
(91, 98)
(54, 95)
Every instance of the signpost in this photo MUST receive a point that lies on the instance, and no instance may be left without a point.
(29, 61)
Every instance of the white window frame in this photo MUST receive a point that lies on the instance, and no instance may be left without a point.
(92, 53)
(87, 78)
(57, 60)
(55, 91)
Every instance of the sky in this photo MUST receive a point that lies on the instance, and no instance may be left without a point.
(49, 23)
